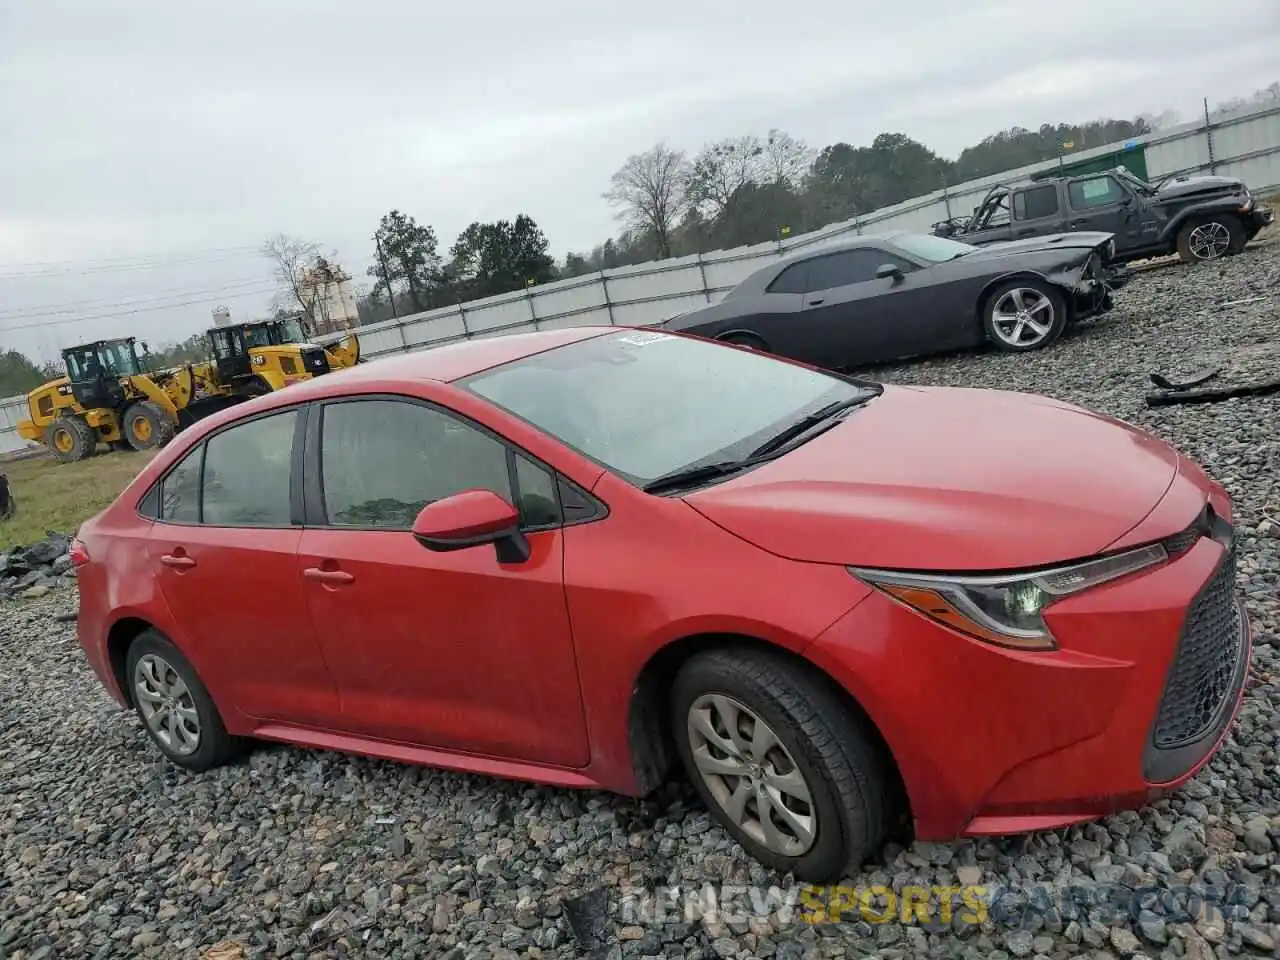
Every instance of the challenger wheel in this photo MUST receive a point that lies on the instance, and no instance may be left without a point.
(145, 426)
(781, 762)
(70, 438)
(1024, 315)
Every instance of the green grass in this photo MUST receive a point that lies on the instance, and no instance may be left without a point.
(61, 496)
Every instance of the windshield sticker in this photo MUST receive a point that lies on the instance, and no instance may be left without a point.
(644, 339)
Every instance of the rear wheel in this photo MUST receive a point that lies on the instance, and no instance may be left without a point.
(1024, 315)
(174, 705)
(146, 426)
(781, 762)
(70, 438)
(1210, 238)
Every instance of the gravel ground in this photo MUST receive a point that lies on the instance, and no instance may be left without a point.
(107, 851)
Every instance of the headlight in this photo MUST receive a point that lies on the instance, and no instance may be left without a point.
(1111, 249)
(1006, 610)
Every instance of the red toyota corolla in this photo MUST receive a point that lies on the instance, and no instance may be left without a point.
(573, 556)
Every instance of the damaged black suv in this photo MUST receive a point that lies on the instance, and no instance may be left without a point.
(1197, 217)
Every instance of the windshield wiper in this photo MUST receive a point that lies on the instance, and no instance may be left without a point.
(807, 423)
(771, 449)
(692, 475)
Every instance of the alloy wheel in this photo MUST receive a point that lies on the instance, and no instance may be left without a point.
(1022, 317)
(166, 705)
(1209, 240)
(751, 775)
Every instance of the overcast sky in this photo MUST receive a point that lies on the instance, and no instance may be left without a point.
(184, 133)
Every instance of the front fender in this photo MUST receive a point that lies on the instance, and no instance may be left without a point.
(1218, 205)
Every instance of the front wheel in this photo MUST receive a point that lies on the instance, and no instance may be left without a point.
(748, 340)
(1024, 315)
(69, 439)
(146, 426)
(781, 762)
(1210, 238)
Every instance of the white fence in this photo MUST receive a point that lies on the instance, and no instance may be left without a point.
(1245, 144)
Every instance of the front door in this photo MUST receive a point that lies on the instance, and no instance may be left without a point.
(1101, 203)
(455, 650)
(224, 551)
(846, 312)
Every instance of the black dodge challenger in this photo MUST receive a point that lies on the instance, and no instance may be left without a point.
(873, 299)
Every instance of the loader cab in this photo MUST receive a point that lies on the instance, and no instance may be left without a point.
(231, 352)
(95, 371)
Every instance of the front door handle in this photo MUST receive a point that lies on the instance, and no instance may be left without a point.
(816, 301)
(178, 561)
(321, 575)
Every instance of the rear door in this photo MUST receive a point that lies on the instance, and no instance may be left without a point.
(452, 650)
(224, 552)
(1037, 211)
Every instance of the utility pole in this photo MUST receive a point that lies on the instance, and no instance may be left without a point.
(391, 294)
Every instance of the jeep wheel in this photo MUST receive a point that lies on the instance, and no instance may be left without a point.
(1210, 239)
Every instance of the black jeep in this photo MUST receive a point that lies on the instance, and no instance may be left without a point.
(1199, 218)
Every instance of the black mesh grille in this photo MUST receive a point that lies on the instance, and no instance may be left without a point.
(1181, 542)
(1200, 678)
(315, 361)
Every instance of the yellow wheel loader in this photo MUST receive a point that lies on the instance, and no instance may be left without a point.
(106, 397)
(254, 358)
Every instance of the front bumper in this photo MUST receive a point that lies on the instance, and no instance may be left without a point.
(996, 741)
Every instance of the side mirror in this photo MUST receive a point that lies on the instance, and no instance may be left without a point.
(889, 270)
(470, 519)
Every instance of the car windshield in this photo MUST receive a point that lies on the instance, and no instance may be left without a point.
(930, 248)
(647, 404)
(1134, 181)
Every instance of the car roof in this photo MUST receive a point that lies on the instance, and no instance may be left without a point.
(838, 246)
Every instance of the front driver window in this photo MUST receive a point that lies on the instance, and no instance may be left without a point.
(382, 461)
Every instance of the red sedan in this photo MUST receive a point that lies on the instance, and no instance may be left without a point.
(574, 556)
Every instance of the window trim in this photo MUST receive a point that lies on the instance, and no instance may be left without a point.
(1089, 208)
(302, 411)
(315, 513)
(1051, 188)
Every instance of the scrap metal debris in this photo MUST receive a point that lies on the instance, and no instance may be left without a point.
(1246, 371)
(588, 917)
(8, 506)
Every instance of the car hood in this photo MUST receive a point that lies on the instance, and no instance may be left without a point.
(1079, 239)
(949, 479)
(1191, 186)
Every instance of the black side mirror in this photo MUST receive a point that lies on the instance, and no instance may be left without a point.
(889, 270)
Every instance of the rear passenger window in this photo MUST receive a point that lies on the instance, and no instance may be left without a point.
(180, 490)
(1035, 203)
(246, 473)
(791, 280)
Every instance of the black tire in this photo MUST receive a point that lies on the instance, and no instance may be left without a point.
(70, 439)
(256, 387)
(748, 340)
(1190, 252)
(215, 746)
(841, 761)
(145, 425)
(996, 301)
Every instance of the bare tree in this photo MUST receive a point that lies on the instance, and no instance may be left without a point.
(649, 190)
(785, 159)
(292, 257)
(722, 169)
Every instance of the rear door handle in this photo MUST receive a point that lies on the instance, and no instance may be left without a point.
(178, 561)
(327, 576)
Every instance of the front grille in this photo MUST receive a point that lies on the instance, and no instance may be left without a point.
(1200, 678)
(315, 362)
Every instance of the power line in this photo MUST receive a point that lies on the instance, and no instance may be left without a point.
(71, 306)
(127, 313)
(139, 256)
(121, 268)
